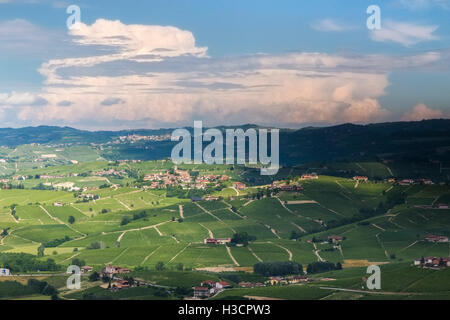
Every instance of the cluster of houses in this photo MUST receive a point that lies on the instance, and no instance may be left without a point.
(273, 281)
(133, 138)
(110, 172)
(47, 176)
(182, 178)
(433, 262)
(111, 271)
(285, 187)
(410, 182)
(360, 178)
(209, 287)
(434, 238)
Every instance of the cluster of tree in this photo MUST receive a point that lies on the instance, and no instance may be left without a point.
(96, 245)
(56, 242)
(4, 232)
(11, 186)
(24, 262)
(277, 268)
(295, 235)
(94, 276)
(237, 277)
(71, 219)
(13, 211)
(78, 262)
(181, 292)
(159, 266)
(41, 186)
(140, 215)
(10, 289)
(242, 238)
(323, 266)
(43, 287)
(127, 219)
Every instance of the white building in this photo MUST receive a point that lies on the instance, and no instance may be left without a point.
(4, 272)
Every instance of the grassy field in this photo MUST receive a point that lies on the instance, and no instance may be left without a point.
(173, 229)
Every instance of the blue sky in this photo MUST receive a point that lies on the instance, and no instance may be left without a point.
(289, 63)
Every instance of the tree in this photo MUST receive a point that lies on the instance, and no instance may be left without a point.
(78, 262)
(321, 266)
(95, 276)
(71, 219)
(278, 268)
(159, 266)
(125, 220)
(40, 250)
(180, 267)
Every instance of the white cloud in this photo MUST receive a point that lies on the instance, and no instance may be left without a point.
(153, 76)
(422, 112)
(329, 25)
(21, 99)
(404, 33)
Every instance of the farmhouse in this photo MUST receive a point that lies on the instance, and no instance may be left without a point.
(120, 284)
(202, 292)
(434, 238)
(57, 204)
(335, 238)
(222, 285)
(112, 270)
(216, 241)
(309, 176)
(208, 283)
(360, 178)
(442, 206)
(239, 185)
(297, 279)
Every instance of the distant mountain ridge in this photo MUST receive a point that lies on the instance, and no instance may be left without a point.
(420, 141)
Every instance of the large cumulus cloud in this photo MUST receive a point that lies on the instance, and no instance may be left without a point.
(157, 76)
